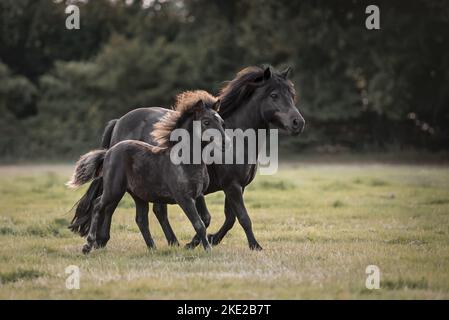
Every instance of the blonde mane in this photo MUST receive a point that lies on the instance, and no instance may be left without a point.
(184, 103)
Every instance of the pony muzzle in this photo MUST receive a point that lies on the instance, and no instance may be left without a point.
(292, 124)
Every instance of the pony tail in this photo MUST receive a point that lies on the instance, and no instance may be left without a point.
(107, 134)
(87, 168)
(80, 223)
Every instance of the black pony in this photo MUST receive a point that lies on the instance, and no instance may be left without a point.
(254, 99)
(147, 173)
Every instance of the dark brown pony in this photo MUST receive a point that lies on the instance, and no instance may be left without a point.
(147, 173)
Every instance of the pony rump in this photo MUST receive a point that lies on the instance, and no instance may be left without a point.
(185, 103)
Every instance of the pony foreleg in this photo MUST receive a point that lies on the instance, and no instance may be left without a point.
(189, 208)
(201, 207)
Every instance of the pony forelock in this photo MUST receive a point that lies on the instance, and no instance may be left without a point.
(185, 102)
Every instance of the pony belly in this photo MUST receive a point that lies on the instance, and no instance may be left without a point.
(153, 197)
(150, 188)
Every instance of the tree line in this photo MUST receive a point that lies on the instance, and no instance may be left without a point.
(358, 89)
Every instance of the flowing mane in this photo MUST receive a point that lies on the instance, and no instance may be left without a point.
(174, 118)
(247, 80)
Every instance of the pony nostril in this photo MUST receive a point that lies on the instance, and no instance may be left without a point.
(295, 122)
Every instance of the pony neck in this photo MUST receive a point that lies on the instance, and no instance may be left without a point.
(246, 116)
(188, 125)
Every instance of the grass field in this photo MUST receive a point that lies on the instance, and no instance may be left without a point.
(320, 226)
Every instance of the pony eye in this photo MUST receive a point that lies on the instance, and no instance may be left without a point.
(206, 122)
(274, 95)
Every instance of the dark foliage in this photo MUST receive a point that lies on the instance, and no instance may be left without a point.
(358, 89)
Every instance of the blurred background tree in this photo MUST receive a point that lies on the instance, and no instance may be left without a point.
(359, 90)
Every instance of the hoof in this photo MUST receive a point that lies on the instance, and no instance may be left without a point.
(212, 239)
(86, 248)
(100, 243)
(190, 246)
(208, 248)
(255, 246)
(173, 243)
(151, 246)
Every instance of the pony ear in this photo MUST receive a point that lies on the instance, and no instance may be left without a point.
(267, 73)
(198, 108)
(286, 72)
(260, 80)
(216, 106)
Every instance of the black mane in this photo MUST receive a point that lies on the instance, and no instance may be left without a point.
(241, 88)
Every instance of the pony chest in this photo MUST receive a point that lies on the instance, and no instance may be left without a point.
(191, 181)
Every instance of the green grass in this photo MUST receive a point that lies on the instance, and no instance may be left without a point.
(320, 226)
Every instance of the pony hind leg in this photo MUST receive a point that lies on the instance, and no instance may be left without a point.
(236, 206)
(160, 210)
(114, 187)
(91, 236)
(104, 227)
(230, 218)
(101, 209)
(142, 209)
